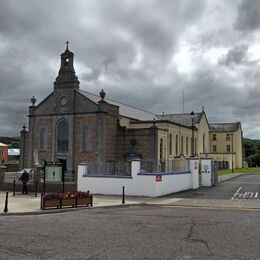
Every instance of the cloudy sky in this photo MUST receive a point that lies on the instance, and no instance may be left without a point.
(145, 53)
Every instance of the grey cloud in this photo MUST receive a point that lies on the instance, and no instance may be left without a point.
(235, 56)
(127, 48)
(248, 16)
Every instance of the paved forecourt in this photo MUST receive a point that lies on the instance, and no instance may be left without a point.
(239, 192)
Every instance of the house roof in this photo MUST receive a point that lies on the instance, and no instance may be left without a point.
(124, 110)
(182, 119)
(2, 144)
(224, 127)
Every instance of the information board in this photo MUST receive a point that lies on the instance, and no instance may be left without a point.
(53, 173)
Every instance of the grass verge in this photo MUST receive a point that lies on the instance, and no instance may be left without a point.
(241, 170)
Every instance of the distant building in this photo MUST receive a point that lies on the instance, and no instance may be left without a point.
(226, 142)
(3, 153)
(74, 126)
(13, 154)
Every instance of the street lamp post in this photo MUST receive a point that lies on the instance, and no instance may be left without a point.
(192, 138)
(232, 150)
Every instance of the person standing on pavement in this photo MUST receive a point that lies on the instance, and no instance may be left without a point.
(24, 179)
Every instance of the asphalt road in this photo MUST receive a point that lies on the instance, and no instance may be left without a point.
(242, 187)
(136, 232)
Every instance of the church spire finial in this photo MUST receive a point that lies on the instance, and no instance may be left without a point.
(67, 45)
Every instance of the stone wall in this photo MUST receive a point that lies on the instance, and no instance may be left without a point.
(141, 142)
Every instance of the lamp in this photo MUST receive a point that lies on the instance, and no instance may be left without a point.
(232, 151)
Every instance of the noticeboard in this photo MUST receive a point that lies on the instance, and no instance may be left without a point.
(53, 173)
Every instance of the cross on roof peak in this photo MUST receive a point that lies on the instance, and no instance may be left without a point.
(67, 43)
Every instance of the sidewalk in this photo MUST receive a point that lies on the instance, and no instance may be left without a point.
(227, 177)
(29, 204)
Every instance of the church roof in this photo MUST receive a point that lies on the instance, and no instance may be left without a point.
(124, 110)
(182, 119)
(224, 127)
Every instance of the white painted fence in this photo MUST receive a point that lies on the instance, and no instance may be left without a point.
(139, 184)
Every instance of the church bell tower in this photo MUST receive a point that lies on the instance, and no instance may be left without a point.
(67, 76)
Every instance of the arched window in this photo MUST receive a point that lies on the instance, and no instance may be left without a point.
(203, 143)
(170, 144)
(182, 145)
(191, 146)
(86, 139)
(43, 137)
(187, 145)
(176, 146)
(66, 62)
(161, 149)
(63, 137)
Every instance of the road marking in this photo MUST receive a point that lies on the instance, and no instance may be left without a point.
(251, 194)
(245, 195)
(237, 192)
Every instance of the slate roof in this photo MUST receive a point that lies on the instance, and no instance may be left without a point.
(182, 119)
(224, 127)
(124, 110)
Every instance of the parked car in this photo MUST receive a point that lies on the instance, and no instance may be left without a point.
(29, 170)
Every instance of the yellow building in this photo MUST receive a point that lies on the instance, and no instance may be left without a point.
(221, 141)
(226, 142)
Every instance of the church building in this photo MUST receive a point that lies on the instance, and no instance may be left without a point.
(74, 126)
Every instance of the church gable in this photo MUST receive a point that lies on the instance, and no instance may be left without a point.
(46, 106)
(83, 104)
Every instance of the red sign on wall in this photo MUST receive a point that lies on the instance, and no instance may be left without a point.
(158, 177)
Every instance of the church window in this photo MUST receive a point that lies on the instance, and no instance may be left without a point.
(63, 137)
(181, 144)
(170, 144)
(203, 143)
(187, 145)
(191, 145)
(86, 139)
(43, 138)
(176, 146)
(161, 149)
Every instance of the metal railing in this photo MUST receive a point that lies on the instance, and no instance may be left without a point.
(175, 165)
(109, 168)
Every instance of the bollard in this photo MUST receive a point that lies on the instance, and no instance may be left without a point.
(36, 188)
(123, 195)
(6, 203)
(14, 188)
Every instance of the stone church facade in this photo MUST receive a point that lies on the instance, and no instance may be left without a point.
(74, 126)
